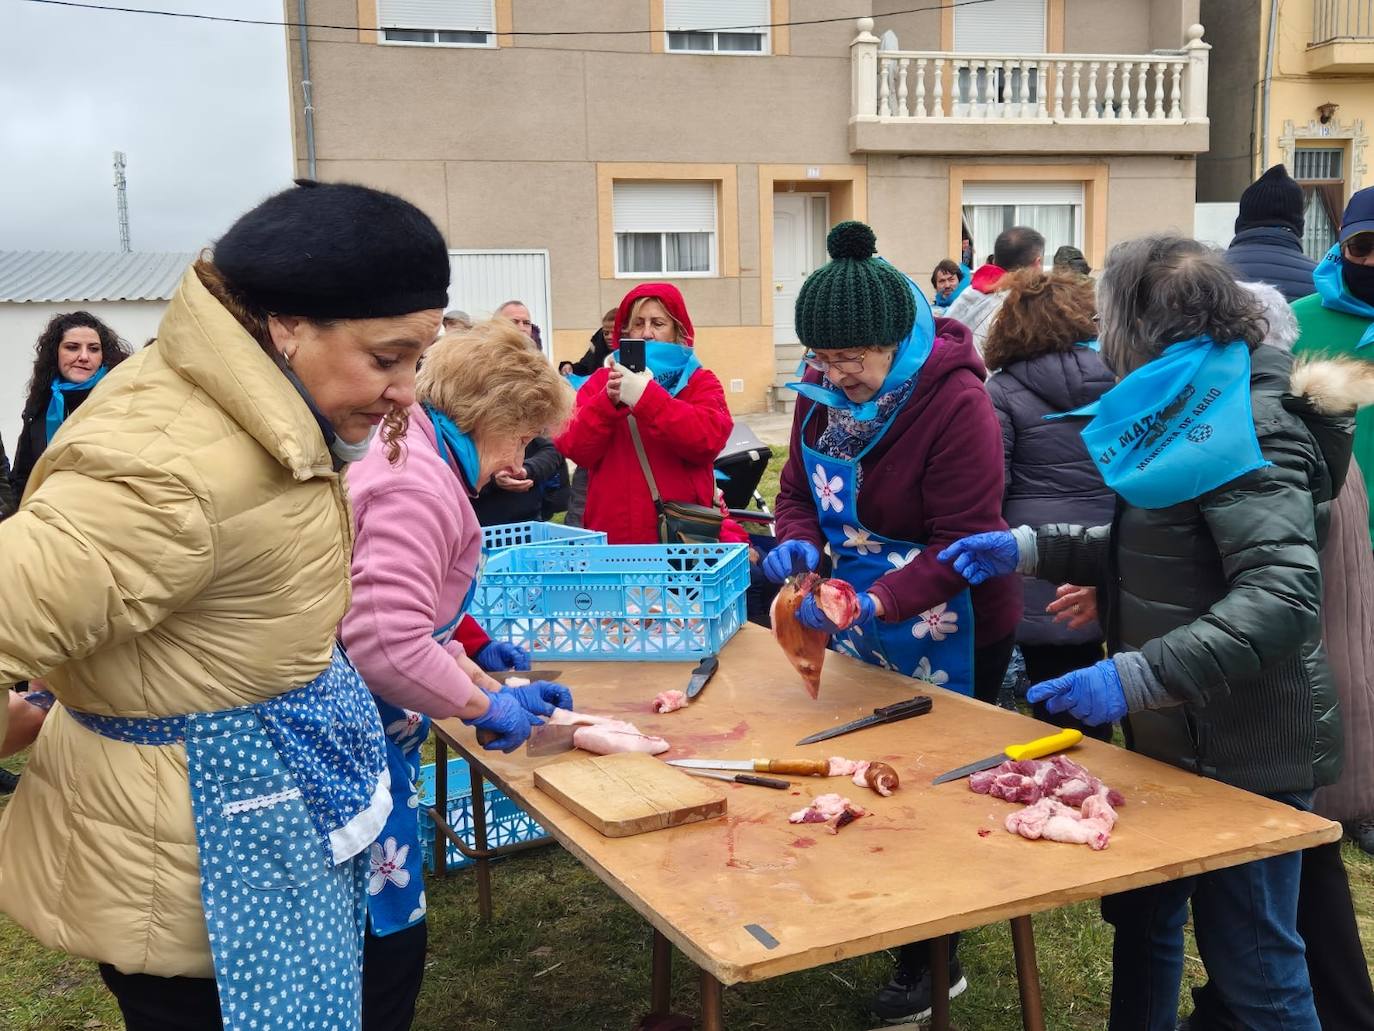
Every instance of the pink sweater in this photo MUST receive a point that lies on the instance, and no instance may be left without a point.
(416, 551)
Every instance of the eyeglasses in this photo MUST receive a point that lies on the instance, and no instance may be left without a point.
(844, 363)
(1361, 245)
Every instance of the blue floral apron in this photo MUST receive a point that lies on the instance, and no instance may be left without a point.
(286, 794)
(395, 881)
(936, 645)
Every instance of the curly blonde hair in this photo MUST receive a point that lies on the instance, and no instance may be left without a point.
(489, 379)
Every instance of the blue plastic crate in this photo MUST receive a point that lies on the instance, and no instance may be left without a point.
(615, 602)
(511, 535)
(507, 823)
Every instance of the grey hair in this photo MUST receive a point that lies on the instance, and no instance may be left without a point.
(1161, 290)
(1283, 328)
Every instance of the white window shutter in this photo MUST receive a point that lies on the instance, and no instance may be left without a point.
(1023, 193)
(708, 15)
(437, 15)
(1000, 27)
(664, 206)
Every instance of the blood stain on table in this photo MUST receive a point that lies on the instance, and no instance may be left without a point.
(983, 832)
(803, 842)
(875, 848)
(686, 745)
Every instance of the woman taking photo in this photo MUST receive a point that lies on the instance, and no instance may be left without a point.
(1042, 349)
(73, 354)
(483, 395)
(678, 406)
(177, 575)
(1211, 599)
(895, 454)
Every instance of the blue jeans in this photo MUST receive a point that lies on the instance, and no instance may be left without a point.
(1245, 920)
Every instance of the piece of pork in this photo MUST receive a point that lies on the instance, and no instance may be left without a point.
(1030, 780)
(602, 735)
(833, 810)
(1053, 820)
(670, 701)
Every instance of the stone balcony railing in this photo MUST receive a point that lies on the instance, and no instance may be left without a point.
(930, 101)
(1342, 37)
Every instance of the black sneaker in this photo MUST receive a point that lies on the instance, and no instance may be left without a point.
(8, 782)
(907, 996)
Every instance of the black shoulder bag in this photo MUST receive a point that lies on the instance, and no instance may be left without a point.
(679, 522)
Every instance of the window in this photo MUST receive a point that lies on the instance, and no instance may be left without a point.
(665, 227)
(717, 26)
(1000, 27)
(1053, 209)
(1321, 173)
(455, 23)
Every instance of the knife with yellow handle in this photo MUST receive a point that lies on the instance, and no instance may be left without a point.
(1037, 749)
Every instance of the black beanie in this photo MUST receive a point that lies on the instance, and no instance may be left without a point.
(1274, 199)
(336, 251)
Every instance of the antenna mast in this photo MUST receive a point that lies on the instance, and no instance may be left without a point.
(122, 201)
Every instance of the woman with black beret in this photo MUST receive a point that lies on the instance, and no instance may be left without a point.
(197, 810)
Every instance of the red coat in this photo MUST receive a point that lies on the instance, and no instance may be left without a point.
(682, 437)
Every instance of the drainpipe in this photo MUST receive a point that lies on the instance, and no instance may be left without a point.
(1268, 83)
(306, 98)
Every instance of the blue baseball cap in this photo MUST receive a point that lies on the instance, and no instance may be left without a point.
(1359, 214)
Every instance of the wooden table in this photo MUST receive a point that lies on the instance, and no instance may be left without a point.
(927, 862)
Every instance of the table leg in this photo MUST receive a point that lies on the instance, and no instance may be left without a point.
(712, 999)
(440, 806)
(479, 844)
(661, 992)
(1027, 974)
(939, 983)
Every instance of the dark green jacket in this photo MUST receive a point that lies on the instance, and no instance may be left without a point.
(1222, 596)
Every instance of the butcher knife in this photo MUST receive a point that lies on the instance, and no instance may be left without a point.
(705, 670)
(1037, 749)
(743, 778)
(918, 706)
(787, 767)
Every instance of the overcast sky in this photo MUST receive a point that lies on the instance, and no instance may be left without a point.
(201, 109)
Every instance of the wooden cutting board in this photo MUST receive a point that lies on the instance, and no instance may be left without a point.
(629, 793)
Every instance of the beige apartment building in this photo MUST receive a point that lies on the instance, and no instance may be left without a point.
(1294, 83)
(596, 143)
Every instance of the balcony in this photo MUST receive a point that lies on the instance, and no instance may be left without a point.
(929, 102)
(1342, 37)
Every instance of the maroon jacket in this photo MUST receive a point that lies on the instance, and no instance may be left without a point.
(935, 476)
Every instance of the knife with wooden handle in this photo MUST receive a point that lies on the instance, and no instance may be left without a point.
(786, 767)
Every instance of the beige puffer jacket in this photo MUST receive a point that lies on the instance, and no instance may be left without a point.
(183, 547)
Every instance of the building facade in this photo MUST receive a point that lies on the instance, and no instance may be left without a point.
(1293, 82)
(713, 142)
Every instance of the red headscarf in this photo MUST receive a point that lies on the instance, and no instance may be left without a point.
(667, 295)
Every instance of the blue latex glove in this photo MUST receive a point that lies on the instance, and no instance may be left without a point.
(507, 718)
(1092, 694)
(499, 656)
(790, 558)
(542, 697)
(982, 556)
(809, 614)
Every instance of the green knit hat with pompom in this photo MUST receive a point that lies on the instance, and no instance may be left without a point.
(856, 300)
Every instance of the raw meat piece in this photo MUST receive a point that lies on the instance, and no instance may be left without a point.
(833, 810)
(1049, 818)
(517, 682)
(879, 776)
(670, 701)
(882, 778)
(1030, 780)
(804, 647)
(838, 600)
(602, 735)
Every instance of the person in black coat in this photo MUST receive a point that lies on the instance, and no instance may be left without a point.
(522, 495)
(8, 501)
(1267, 247)
(596, 354)
(72, 355)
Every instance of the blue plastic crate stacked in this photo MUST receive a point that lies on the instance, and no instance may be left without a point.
(513, 535)
(669, 603)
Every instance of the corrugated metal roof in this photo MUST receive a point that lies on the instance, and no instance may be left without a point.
(89, 275)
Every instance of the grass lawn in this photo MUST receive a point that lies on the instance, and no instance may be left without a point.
(565, 953)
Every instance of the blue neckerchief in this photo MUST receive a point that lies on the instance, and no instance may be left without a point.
(945, 299)
(454, 442)
(57, 404)
(575, 380)
(1337, 296)
(1177, 427)
(672, 364)
(1091, 345)
(906, 365)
